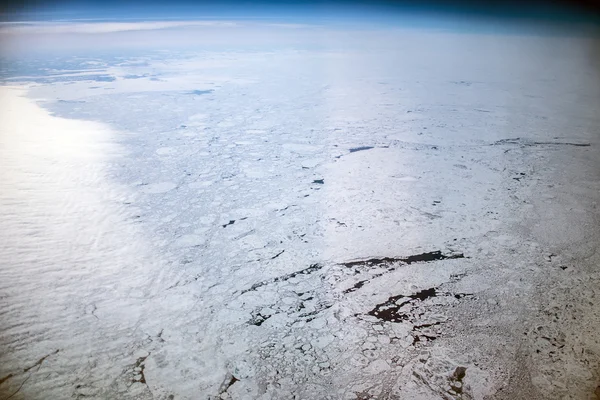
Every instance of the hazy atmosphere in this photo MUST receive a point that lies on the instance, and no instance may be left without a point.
(323, 205)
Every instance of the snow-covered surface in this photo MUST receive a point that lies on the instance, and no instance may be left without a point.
(416, 220)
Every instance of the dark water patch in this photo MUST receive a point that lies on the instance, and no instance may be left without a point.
(456, 380)
(423, 257)
(423, 326)
(40, 361)
(358, 285)
(227, 383)
(424, 294)
(258, 319)
(527, 143)
(561, 144)
(231, 222)
(297, 313)
(418, 338)
(4, 379)
(372, 262)
(389, 310)
(277, 255)
(518, 178)
(459, 373)
(431, 256)
(283, 278)
(309, 316)
(140, 364)
(360, 148)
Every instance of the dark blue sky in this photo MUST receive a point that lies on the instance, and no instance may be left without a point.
(294, 10)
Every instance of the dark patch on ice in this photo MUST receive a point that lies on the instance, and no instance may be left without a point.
(417, 338)
(277, 255)
(4, 379)
(358, 285)
(526, 142)
(417, 327)
(388, 310)
(372, 262)
(227, 383)
(319, 181)
(459, 373)
(360, 148)
(200, 92)
(285, 208)
(418, 332)
(391, 264)
(37, 364)
(423, 257)
(518, 178)
(312, 314)
(40, 361)
(456, 380)
(258, 319)
(231, 222)
(431, 256)
(283, 278)
(363, 396)
(296, 313)
(140, 364)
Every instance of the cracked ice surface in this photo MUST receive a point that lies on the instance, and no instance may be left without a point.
(342, 223)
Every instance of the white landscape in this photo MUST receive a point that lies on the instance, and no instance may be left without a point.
(236, 210)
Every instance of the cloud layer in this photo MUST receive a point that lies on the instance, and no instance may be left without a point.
(102, 27)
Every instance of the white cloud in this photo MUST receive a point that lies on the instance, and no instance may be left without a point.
(102, 27)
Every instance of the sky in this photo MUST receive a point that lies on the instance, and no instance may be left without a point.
(331, 10)
(38, 26)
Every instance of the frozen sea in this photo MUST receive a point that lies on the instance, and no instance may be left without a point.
(239, 210)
